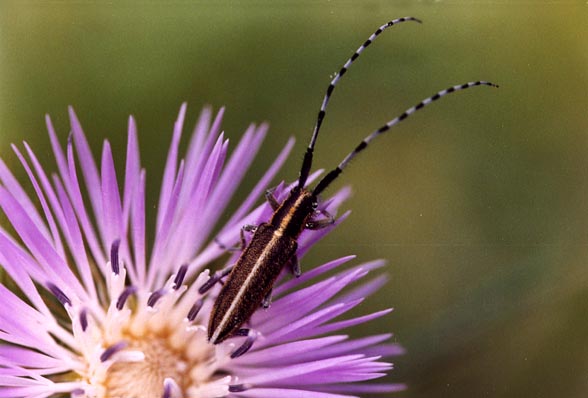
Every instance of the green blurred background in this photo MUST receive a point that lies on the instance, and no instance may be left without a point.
(478, 203)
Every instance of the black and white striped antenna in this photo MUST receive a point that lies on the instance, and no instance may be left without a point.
(307, 162)
(333, 174)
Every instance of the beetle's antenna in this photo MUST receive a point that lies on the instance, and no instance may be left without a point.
(333, 174)
(307, 162)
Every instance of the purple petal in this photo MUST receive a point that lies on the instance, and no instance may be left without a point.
(42, 250)
(162, 241)
(373, 388)
(351, 322)
(306, 326)
(288, 353)
(280, 375)
(19, 329)
(311, 274)
(19, 356)
(138, 230)
(12, 259)
(68, 226)
(57, 150)
(132, 171)
(88, 166)
(201, 145)
(234, 171)
(71, 229)
(111, 207)
(365, 289)
(288, 393)
(16, 190)
(197, 140)
(56, 239)
(303, 301)
(352, 346)
(169, 174)
(75, 196)
(261, 185)
(188, 221)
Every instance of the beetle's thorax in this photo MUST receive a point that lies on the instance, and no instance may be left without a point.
(291, 217)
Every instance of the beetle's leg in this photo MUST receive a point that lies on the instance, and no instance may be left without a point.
(321, 223)
(251, 337)
(267, 300)
(248, 228)
(244, 228)
(214, 279)
(295, 266)
(271, 199)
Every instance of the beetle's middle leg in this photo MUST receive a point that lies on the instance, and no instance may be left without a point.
(267, 300)
(243, 243)
(294, 265)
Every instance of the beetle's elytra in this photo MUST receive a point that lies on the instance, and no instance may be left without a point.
(274, 243)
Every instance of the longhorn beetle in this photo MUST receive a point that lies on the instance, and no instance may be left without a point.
(274, 243)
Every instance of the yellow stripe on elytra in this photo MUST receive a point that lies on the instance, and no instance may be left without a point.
(260, 260)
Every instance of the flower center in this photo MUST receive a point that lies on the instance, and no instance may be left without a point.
(141, 378)
(152, 348)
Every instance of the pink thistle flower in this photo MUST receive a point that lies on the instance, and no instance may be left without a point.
(97, 313)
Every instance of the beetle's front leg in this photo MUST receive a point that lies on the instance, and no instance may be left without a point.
(271, 199)
(322, 223)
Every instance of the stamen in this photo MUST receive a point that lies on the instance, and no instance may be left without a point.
(59, 294)
(214, 279)
(122, 299)
(113, 349)
(239, 387)
(154, 298)
(84, 319)
(171, 389)
(166, 391)
(194, 310)
(114, 256)
(180, 276)
(251, 337)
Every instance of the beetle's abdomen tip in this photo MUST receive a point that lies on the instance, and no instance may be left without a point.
(215, 337)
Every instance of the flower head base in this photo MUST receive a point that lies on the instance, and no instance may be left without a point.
(94, 315)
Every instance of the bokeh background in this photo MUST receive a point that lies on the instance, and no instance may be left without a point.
(479, 203)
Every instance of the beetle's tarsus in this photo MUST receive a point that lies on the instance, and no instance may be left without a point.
(267, 300)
